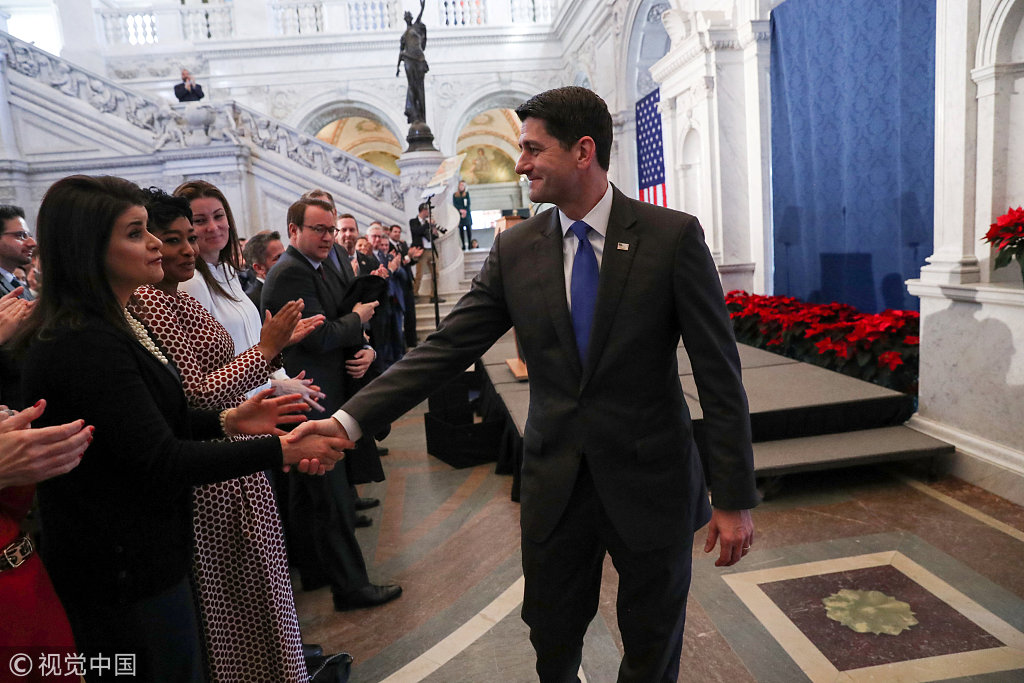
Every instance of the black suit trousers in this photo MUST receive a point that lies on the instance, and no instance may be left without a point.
(322, 540)
(563, 584)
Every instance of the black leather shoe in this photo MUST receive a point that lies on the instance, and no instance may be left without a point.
(367, 503)
(367, 596)
(310, 650)
(363, 521)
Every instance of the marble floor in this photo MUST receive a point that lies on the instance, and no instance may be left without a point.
(863, 574)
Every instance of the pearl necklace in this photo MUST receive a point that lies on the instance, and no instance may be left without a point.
(143, 338)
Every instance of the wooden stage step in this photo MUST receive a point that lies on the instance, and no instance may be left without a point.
(828, 451)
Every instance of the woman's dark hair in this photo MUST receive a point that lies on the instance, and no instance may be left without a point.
(163, 210)
(231, 254)
(73, 231)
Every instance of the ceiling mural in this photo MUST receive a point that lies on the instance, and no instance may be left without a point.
(490, 142)
(365, 138)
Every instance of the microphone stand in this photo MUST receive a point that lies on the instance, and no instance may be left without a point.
(433, 261)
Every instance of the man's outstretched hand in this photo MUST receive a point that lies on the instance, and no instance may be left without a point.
(326, 427)
(733, 530)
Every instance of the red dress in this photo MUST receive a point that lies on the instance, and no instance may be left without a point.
(33, 620)
(240, 565)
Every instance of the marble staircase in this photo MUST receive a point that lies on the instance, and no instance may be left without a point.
(473, 260)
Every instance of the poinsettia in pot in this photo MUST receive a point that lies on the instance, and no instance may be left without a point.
(1007, 236)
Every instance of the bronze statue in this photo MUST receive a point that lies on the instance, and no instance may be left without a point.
(414, 41)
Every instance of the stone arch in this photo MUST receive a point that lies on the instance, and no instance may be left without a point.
(648, 42)
(448, 135)
(999, 34)
(691, 173)
(314, 115)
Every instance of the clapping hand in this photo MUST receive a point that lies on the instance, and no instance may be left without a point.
(300, 384)
(29, 455)
(263, 412)
(13, 312)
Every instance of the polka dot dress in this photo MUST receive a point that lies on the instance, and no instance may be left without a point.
(240, 567)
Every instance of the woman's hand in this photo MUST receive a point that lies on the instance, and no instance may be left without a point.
(300, 385)
(263, 412)
(278, 329)
(30, 455)
(13, 312)
(314, 454)
(305, 327)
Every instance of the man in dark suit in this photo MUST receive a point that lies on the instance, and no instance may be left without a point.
(261, 252)
(188, 90)
(423, 231)
(599, 290)
(16, 248)
(410, 255)
(324, 511)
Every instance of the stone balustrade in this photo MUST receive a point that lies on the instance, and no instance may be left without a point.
(293, 18)
(191, 125)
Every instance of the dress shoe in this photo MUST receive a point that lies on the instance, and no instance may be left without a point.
(310, 650)
(367, 596)
(363, 521)
(367, 503)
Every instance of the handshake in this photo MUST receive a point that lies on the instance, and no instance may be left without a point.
(315, 446)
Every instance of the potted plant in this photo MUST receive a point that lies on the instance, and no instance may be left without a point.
(1007, 236)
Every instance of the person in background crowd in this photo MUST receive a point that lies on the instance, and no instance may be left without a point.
(119, 526)
(261, 252)
(322, 516)
(410, 255)
(240, 568)
(17, 247)
(219, 290)
(188, 90)
(460, 198)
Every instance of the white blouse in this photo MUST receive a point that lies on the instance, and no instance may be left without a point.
(240, 318)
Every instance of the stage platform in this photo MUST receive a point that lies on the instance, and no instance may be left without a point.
(803, 417)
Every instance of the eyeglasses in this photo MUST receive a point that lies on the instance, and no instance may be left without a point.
(322, 229)
(19, 235)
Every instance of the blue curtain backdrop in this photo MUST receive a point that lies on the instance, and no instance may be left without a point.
(853, 102)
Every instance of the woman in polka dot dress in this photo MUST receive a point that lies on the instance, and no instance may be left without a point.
(240, 566)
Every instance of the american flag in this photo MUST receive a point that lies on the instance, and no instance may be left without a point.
(649, 151)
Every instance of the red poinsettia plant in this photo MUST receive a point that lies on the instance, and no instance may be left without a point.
(1007, 236)
(880, 347)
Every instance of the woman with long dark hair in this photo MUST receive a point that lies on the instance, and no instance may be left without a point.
(118, 528)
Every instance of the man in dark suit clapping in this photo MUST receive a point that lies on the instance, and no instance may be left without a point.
(325, 509)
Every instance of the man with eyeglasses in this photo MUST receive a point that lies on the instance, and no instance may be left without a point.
(323, 543)
(16, 249)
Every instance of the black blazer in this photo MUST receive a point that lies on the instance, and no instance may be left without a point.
(418, 232)
(321, 353)
(119, 526)
(623, 410)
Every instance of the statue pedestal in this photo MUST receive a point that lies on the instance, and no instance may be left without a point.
(417, 168)
(420, 137)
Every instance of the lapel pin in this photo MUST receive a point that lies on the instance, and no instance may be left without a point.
(623, 246)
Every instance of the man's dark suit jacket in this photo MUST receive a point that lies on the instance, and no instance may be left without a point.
(623, 410)
(418, 232)
(255, 293)
(321, 354)
(10, 365)
(184, 95)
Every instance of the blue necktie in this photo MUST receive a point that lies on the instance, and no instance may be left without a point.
(583, 288)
